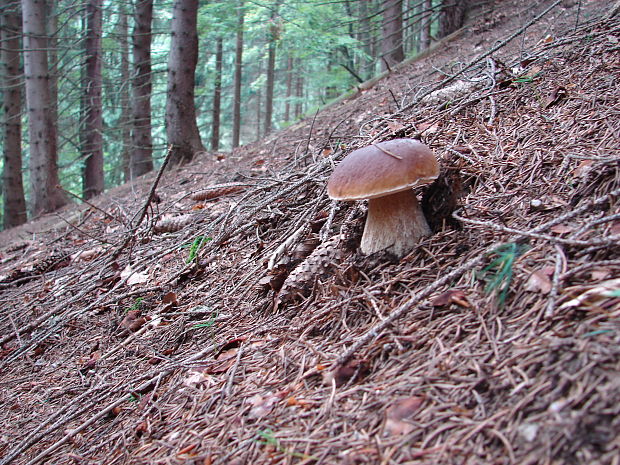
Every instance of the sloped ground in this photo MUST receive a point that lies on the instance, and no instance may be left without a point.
(495, 341)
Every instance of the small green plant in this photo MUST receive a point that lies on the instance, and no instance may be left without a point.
(267, 437)
(209, 323)
(498, 273)
(526, 79)
(195, 246)
(135, 305)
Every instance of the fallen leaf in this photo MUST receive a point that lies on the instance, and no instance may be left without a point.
(557, 95)
(295, 402)
(170, 301)
(454, 296)
(399, 416)
(600, 274)
(427, 128)
(528, 431)
(132, 322)
(353, 371)
(394, 126)
(561, 229)
(132, 277)
(86, 255)
(262, 404)
(228, 346)
(539, 282)
(583, 168)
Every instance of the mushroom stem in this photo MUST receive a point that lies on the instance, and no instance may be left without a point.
(395, 222)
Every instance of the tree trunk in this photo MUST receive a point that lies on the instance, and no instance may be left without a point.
(45, 196)
(217, 96)
(271, 71)
(289, 87)
(452, 16)
(365, 38)
(125, 118)
(181, 128)
(425, 25)
(142, 152)
(92, 149)
(259, 103)
(236, 130)
(52, 57)
(272, 40)
(299, 92)
(392, 34)
(12, 183)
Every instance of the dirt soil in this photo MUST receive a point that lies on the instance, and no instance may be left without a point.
(236, 322)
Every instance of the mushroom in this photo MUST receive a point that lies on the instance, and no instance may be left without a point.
(385, 173)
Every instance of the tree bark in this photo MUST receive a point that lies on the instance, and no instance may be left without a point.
(365, 39)
(452, 16)
(392, 34)
(12, 182)
(236, 130)
(299, 92)
(125, 118)
(181, 128)
(45, 197)
(272, 40)
(142, 152)
(425, 25)
(92, 148)
(217, 96)
(289, 87)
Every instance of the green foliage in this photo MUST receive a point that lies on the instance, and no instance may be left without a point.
(136, 305)
(195, 246)
(321, 39)
(209, 323)
(498, 273)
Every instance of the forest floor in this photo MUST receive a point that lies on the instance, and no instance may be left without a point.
(495, 341)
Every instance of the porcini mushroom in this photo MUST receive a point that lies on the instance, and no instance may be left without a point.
(386, 173)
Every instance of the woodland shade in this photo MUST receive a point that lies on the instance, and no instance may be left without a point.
(229, 72)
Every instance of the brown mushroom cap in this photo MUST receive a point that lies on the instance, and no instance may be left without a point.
(382, 169)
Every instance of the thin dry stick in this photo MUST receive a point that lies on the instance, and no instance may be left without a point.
(130, 235)
(560, 259)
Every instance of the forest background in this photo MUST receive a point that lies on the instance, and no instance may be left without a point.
(97, 93)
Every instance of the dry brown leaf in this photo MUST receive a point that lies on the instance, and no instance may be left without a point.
(583, 168)
(262, 404)
(539, 282)
(399, 416)
(354, 370)
(454, 296)
(557, 95)
(561, 229)
(600, 274)
(132, 322)
(395, 126)
(170, 300)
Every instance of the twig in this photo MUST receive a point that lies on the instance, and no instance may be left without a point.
(130, 235)
(560, 261)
